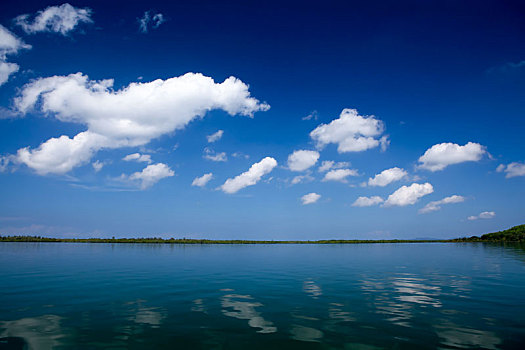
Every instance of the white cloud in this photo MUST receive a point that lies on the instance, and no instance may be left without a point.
(339, 175)
(351, 132)
(310, 198)
(150, 20)
(301, 179)
(9, 45)
(387, 176)
(152, 174)
(59, 19)
(4, 162)
(436, 205)
(60, 155)
(302, 159)
(250, 177)
(484, 215)
(131, 116)
(367, 201)
(313, 115)
(146, 158)
(203, 180)
(330, 164)
(512, 170)
(97, 165)
(408, 195)
(439, 156)
(215, 136)
(240, 155)
(214, 156)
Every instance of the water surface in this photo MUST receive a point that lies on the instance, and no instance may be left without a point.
(353, 296)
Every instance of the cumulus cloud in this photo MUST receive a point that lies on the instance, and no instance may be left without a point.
(9, 45)
(310, 198)
(351, 132)
(152, 174)
(59, 19)
(137, 157)
(330, 164)
(302, 159)
(387, 176)
(484, 215)
(216, 136)
(250, 177)
(512, 170)
(436, 205)
(339, 175)
(439, 156)
(408, 195)
(131, 116)
(203, 180)
(150, 19)
(214, 156)
(367, 201)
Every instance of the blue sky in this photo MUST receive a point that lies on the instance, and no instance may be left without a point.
(391, 119)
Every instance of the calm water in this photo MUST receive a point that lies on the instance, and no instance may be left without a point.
(362, 296)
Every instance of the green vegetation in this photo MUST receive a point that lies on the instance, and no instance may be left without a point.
(193, 241)
(514, 234)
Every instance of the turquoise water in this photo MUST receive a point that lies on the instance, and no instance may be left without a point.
(355, 296)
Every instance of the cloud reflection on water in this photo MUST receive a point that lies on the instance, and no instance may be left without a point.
(244, 309)
(41, 333)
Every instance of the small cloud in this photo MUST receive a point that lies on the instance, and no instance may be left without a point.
(137, 157)
(152, 174)
(310, 198)
(203, 180)
(4, 163)
(312, 116)
(483, 215)
(367, 201)
(97, 165)
(302, 159)
(150, 20)
(330, 164)
(512, 170)
(439, 156)
(384, 142)
(214, 156)
(215, 136)
(240, 155)
(387, 176)
(408, 195)
(250, 177)
(436, 205)
(351, 132)
(301, 179)
(58, 19)
(339, 175)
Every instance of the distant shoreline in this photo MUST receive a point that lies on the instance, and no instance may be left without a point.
(23, 239)
(513, 234)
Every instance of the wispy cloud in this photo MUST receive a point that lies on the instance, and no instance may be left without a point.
(150, 20)
(483, 215)
(436, 205)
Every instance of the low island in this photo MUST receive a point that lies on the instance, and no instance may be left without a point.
(513, 234)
